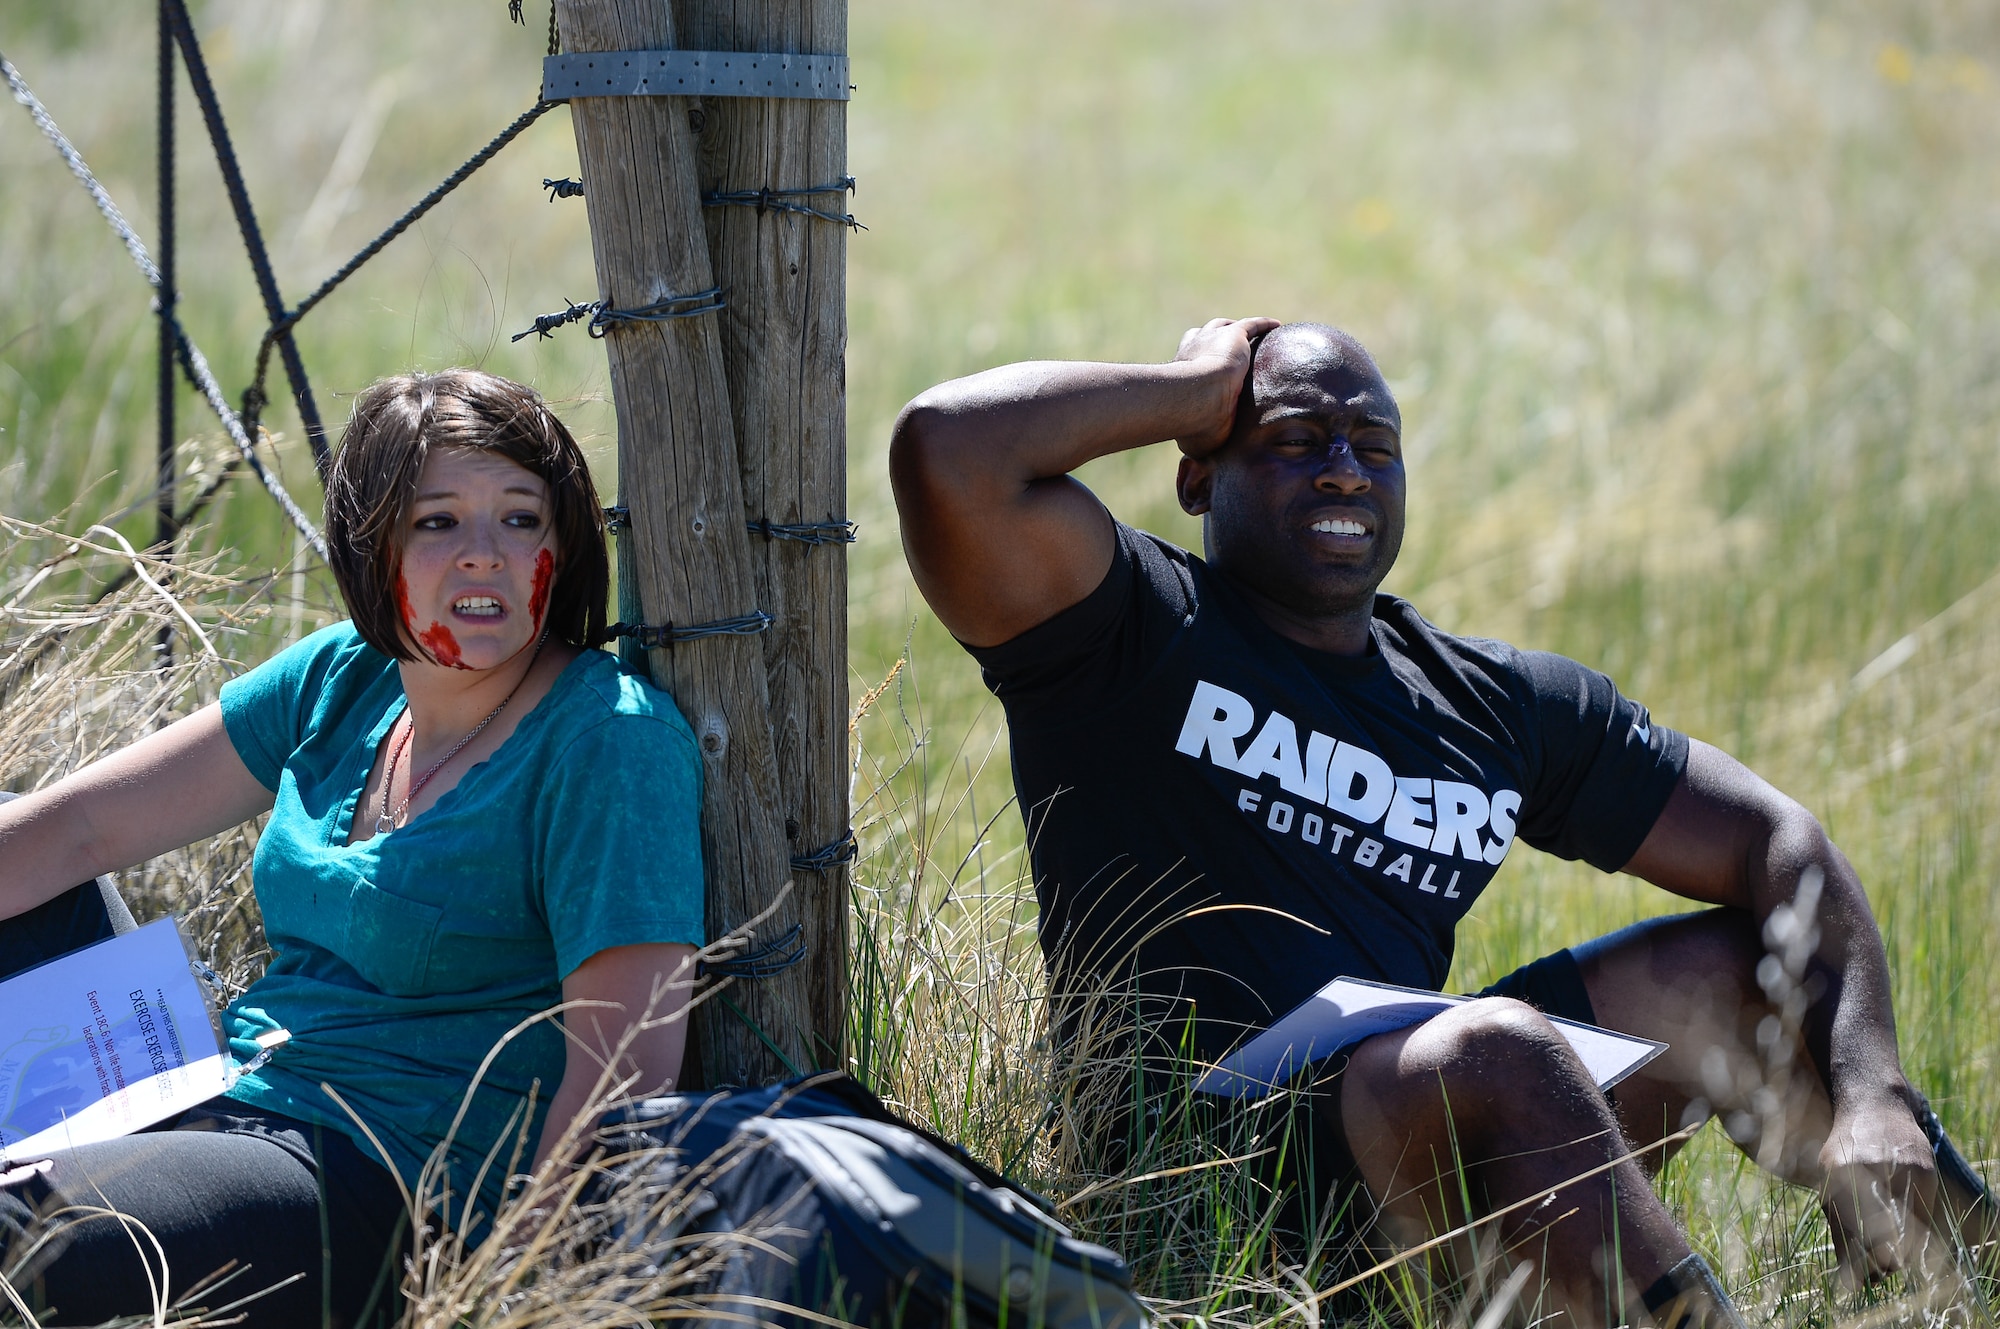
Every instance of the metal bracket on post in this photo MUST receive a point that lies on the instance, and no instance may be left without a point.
(694, 74)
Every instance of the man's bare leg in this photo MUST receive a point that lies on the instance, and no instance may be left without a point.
(1690, 982)
(1487, 1104)
(1735, 1053)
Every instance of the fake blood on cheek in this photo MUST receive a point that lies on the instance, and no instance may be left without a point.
(538, 598)
(436, 639)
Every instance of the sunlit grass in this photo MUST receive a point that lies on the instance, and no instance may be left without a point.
(1693, 311)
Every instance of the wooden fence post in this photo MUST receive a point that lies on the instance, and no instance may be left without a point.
(687, 549)
(785, 352)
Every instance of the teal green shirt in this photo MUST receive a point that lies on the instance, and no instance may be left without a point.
(398, 964)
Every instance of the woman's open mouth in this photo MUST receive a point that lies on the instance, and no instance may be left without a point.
(477, 607)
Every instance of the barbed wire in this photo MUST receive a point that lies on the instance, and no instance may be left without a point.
(253, 396)
(242, 427)
(246, 224)
(555, 41)
(807, 532)
(692, 305)
(545, 325)
(652, 637)
(762, 960)
(190, 356)
(828, 856)
(619, 518)
(782, 200)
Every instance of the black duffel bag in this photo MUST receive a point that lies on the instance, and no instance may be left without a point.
(812, 1196)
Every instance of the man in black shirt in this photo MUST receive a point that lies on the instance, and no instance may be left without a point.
(1246, 775)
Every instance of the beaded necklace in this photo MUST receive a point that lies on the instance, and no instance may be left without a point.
(385, 820)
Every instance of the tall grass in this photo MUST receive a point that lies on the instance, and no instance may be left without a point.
(1693, 311)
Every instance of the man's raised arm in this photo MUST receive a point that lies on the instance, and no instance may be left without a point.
(998, 535)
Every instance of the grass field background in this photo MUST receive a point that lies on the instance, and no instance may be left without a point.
(1693, 312)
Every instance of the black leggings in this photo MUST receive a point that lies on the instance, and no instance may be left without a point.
(225, 1182)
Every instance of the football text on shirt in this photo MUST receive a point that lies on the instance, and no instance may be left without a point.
(1445, 817)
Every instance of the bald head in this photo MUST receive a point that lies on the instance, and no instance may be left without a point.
(1313, 351)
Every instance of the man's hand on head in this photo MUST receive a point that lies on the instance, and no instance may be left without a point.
(1222, 347)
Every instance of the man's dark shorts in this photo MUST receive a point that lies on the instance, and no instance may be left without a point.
(1553, 985)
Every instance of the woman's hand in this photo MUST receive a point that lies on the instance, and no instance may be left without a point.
(618, 989)
(172, 788)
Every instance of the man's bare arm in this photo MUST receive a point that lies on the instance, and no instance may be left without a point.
(1728, 837)
(998, 536)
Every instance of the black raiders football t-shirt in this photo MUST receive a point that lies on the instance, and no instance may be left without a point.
(1220, 816)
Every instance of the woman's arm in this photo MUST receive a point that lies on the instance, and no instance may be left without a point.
(169, 789)
(647, 984)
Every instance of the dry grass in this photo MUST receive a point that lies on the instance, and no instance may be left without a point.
(1691, 311)
(81, 677)
(950, 1021)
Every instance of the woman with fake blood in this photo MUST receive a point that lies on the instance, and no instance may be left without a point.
(475, 816)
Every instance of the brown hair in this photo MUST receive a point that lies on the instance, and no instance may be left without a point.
(395, 424)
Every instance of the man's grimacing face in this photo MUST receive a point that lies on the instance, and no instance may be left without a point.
(1304, 504)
